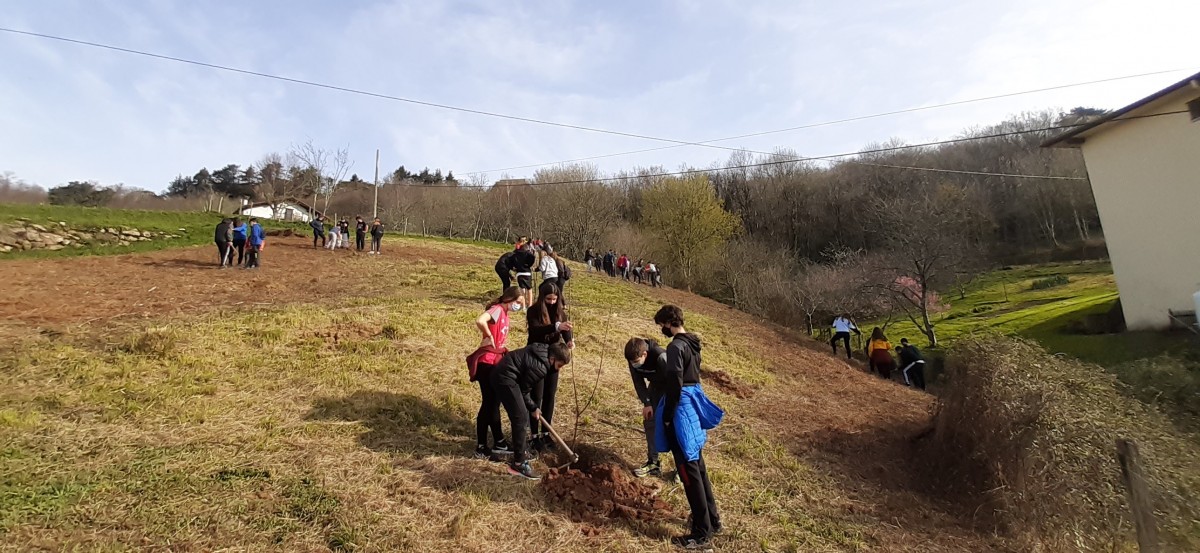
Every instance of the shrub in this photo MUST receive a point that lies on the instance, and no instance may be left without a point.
(1035, 436)
(1050, 282)
(1170, 381)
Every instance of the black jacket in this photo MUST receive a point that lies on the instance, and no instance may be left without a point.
(645, 378)
(377, 230)
(545, 333)
(505, 261)
(910, 354)
(318, 226)
(360, 228)
(526, 366)
(523, 261)
(224, 232)
(682, 368)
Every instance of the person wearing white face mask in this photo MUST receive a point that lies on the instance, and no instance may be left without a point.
(493, 325)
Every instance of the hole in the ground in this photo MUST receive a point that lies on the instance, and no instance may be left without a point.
(599, 489)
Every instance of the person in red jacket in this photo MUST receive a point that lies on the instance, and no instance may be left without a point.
(493, 325)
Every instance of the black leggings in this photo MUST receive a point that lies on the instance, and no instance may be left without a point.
(505, 278)
(489, 408)
(240, 246)
(543, 396)
(360, 241)
(223, 253)
(376, 242)
(318, 236)
(845, 337)
(509, 393)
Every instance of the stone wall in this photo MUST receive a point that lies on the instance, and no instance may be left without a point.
(24, 235)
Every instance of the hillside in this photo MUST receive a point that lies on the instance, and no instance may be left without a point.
(150, 401)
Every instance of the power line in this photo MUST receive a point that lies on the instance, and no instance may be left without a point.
(359, 91)
(798, 159)
(676, 143)
(834, 121)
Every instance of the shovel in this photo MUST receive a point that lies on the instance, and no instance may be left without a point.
(558, 440)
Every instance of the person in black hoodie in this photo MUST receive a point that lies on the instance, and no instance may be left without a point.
(360, 233)
(647, 361)
(514, 380)
(683, 370)
(548, 324)
(913, 363)
(224, 240)
(504, 269)
(318, 228)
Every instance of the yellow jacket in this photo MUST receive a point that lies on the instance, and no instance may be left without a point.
(878, 345)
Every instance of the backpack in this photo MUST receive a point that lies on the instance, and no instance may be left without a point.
(564, 271)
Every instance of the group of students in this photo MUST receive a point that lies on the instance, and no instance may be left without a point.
(524, 382)
(879, 352)
(247, 239)
(339, 234)
(614, 265)
(527, 257)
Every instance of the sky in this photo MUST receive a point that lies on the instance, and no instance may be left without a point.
(688, 70)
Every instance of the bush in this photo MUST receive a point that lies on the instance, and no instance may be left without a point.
(1034, 435)
(1050, 282)
(1170, 381)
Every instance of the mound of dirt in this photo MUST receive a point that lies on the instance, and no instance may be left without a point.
(604, 492)
(727, 384)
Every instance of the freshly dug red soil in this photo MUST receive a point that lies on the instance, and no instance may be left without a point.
(603, 493)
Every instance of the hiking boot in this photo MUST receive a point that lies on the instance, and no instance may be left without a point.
(651, 468)
(691, 543)
(502, 448)
(523, 470)
(482, 452)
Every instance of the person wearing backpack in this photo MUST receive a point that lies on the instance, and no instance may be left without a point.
(514, 379)
(913, 363)
(548, 265)
(564, 275)
(376, 237)
(493, 324)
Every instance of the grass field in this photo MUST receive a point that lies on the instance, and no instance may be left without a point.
(1006, 302)
(193, 227)
(291, 420)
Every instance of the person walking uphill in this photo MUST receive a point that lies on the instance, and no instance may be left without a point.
(522, 264)
(879, 354)
(682, 417)
(504, 269)
(913, 363)
(258, 239)
(514, 378)
(493, 325)
(647, 363)
(842, 326)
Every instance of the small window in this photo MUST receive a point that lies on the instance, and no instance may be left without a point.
(1194, 109)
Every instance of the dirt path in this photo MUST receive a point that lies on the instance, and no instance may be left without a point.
(53, 295)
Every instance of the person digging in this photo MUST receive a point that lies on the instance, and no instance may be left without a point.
(681, 419)
(514, 379)
(647, 361)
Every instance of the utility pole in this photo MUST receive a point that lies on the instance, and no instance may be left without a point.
(376, 214)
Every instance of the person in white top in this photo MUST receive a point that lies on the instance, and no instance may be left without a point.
(842, 327)
(549, 267)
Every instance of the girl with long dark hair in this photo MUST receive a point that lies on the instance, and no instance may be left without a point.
(879, 354)
(493, 325)
(548, 324)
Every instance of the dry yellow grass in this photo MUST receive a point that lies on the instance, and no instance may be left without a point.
(347, 424)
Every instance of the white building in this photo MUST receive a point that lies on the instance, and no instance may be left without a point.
(286, 210)
(1144, 164)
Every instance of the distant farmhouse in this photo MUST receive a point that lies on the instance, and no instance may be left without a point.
(1144, 164)
(285, 210)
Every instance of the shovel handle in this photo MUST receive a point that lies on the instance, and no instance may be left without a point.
(558, 440)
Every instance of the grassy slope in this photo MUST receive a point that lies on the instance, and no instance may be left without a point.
(348, 425)
(197, 227)
(1041, 314)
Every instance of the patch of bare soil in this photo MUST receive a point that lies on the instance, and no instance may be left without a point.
(727, 384)
(596, 494)
(47, 296)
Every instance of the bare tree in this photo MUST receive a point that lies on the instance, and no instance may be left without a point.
(327, 169)
(277, 183)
